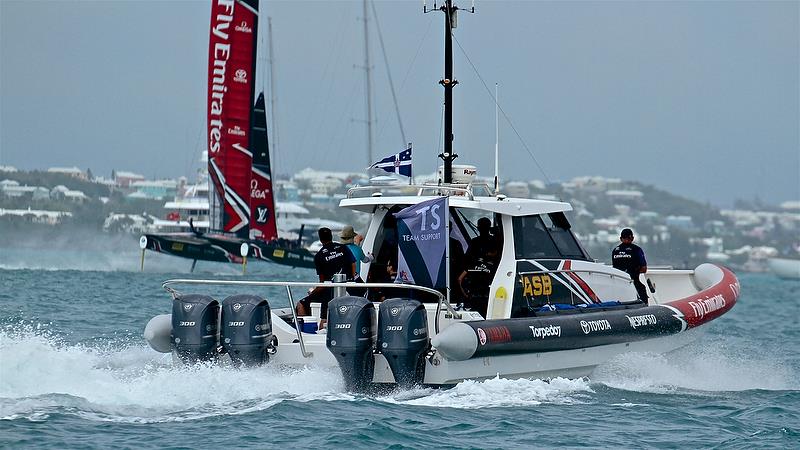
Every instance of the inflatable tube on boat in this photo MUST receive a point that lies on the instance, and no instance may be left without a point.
(718, 290)
(457, 342)
(157, 333)
(706, 276)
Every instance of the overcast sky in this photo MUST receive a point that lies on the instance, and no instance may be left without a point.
(699, 98)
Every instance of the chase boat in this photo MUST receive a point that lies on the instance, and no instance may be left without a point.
(551, 310)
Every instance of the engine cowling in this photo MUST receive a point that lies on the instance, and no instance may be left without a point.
(246, 332)
(195, 330)
(350, 337)
(403, 339)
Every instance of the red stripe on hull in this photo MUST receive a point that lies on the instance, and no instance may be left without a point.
(582, 284)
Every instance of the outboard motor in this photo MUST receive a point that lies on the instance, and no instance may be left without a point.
(195, 329)
(246, 329)
(403, 339)
(351, 331)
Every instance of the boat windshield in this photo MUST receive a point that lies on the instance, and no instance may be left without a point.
(545, 236)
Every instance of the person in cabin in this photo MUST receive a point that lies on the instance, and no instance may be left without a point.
(331, 259)
(629, 258)
(457, 267)
(480, 245)
(386, 258)
(387, 252)
(477, 277)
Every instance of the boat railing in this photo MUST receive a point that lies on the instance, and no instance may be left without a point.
(340, 290)
(466, 190)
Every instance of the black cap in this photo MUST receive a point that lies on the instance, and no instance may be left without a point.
(626, 233)
(325, 234)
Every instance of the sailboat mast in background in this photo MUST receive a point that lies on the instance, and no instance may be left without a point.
(368, 82)
(273, 93)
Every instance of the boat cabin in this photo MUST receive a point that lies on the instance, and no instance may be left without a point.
(541, 267)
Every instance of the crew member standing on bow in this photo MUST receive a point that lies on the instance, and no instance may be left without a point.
(629, 257)
(331, 259)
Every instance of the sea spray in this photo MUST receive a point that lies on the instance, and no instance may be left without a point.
(705, 365)
(134, 384)
(500, 393)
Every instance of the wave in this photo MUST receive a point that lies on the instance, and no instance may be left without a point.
(707, 365)
(498, 392)
(39, 376)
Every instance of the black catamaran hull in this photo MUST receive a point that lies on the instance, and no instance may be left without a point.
(294, 257)
(190, 246)
(219, 248)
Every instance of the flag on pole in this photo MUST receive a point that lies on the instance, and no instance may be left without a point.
(397, 163)
(422, 243)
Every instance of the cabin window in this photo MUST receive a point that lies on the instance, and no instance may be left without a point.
(559, 228)
(531, 239)
(466, 220)
(545, 236)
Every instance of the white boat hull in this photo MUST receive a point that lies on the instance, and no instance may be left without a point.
(787, 268)
(556, 345)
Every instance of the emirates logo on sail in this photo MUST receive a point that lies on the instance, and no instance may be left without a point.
(236, 131)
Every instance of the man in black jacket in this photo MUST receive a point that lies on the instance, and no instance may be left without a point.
(629, 257)
(331, 259)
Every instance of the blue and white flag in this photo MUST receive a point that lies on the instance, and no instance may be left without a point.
(422, 241)
(397, 163)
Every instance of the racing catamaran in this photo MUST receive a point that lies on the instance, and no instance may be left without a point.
(241, 198)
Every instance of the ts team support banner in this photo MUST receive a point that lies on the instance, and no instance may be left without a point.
(422, 242)
(231, 77)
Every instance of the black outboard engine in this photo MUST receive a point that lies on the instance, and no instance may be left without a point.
(195, 330)
(246, 329)
(403, 339)
(351, 331)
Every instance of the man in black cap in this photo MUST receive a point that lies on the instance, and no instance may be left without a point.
(629, 257)
(331, 259)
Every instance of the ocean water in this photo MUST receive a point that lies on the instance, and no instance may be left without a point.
(76, 373)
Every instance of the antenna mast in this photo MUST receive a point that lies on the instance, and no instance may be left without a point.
(448, 82)
(496, 142)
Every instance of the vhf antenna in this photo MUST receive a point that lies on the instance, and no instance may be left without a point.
(448, 82)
